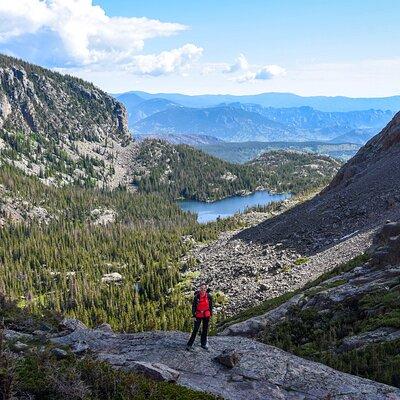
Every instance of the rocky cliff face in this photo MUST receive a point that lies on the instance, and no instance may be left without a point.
(59, 127)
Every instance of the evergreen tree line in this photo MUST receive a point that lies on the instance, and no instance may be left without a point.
(62, 265)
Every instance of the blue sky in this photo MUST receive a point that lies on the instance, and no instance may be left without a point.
(307, 47)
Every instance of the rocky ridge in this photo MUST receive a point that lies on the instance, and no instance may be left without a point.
(61, 128)
(16, 209)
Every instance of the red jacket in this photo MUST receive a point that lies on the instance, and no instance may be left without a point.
(203, 307)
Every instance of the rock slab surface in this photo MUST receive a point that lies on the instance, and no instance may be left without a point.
(264, 372)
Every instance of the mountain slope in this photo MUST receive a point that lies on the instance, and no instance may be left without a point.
(130, 99)
(241, 152)
(375, 162)
(359, 136)
(147, 108)
(349, 318)
(191, 140)
(60, 127)
(310, 118)
(294, 172)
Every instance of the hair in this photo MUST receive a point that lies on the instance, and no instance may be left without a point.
(203, 283)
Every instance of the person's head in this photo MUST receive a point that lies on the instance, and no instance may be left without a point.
(203, 287)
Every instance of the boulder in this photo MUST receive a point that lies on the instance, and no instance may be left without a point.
(72, 324)
(112, 277)
(386, 245)
(20, 347)
(229, 357)
(79, 348)
(156, 371)
(105, 328)
(263, 287)
(59, 353)
(103, 216)
(254, 325)
(9, 334)
(379, 335)
(39, 334)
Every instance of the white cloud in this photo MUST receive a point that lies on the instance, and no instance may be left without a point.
(265, 73)
(250, 72)
(21, 17)
(269, 72)
(247, 77)
(167, 62)
(241, 64)
(87, 34)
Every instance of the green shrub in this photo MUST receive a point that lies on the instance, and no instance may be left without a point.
(42, 376)
(301, 261)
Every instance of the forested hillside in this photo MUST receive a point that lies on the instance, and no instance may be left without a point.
(183, 172)
(289, 171)
(99, 256)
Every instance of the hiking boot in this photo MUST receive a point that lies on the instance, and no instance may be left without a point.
(205, 347)
(189, 348)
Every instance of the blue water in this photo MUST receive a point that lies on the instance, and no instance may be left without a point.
(224, 208)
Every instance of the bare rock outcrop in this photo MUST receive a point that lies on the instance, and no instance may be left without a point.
(264, 372)
(73, 128)
(386, 244)
(156, 371)
(376, 336)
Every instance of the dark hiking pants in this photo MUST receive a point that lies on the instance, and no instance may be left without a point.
(204, 331)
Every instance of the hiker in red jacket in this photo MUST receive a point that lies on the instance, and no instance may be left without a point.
(202, 311)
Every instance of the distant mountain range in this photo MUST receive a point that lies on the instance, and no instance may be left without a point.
(192, 140)
(242, 152)
(277, 100)
(224, 122)
(240, 122)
